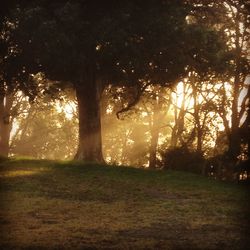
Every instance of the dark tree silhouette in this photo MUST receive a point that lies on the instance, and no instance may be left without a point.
(93, 43)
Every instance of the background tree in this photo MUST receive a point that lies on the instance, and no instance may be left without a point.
(46, 130)
(14, 76)
(231, 18)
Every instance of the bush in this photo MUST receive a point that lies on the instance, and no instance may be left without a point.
(3, 158)
(243, 171)
(225, 168)
(181, 158)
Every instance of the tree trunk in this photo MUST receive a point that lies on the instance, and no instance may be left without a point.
(199, 140)
(198, 127)
(5, 129)
(234, 137)
(247, 129)
(176, 135)
(6, 102)
(154, 131)
(90, 136)
(154, 139)
(153, 146)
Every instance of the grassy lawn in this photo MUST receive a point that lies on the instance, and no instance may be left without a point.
(53, 205)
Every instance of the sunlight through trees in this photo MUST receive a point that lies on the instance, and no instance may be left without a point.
(127, 82)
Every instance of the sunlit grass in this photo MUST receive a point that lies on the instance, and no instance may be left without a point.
(74, 206)
(16, 173)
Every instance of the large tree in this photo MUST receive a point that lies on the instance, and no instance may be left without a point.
(93, 43)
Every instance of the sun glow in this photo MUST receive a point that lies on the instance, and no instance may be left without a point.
(178, 95)
(69, 109)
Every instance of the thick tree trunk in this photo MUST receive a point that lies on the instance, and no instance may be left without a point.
(90, 137)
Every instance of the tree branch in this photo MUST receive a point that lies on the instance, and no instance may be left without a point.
(244, 103)
(139, 92)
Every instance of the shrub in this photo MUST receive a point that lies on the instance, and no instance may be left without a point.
(181, 158)
(3, 158)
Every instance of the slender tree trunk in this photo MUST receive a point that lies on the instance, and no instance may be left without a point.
(90, 137)
(198, 127)
(5, 129)
(154, 130)
(199, 140)
(124, 153)
(173, 141)
(6, 102)
(176, 135)
(153, 147)
(154, 139)
(247, 128)
(234, 137)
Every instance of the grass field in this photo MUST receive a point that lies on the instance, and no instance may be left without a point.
(53, 205)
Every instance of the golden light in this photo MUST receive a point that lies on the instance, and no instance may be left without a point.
(19, 173)
(69, 109)
(178, 95)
